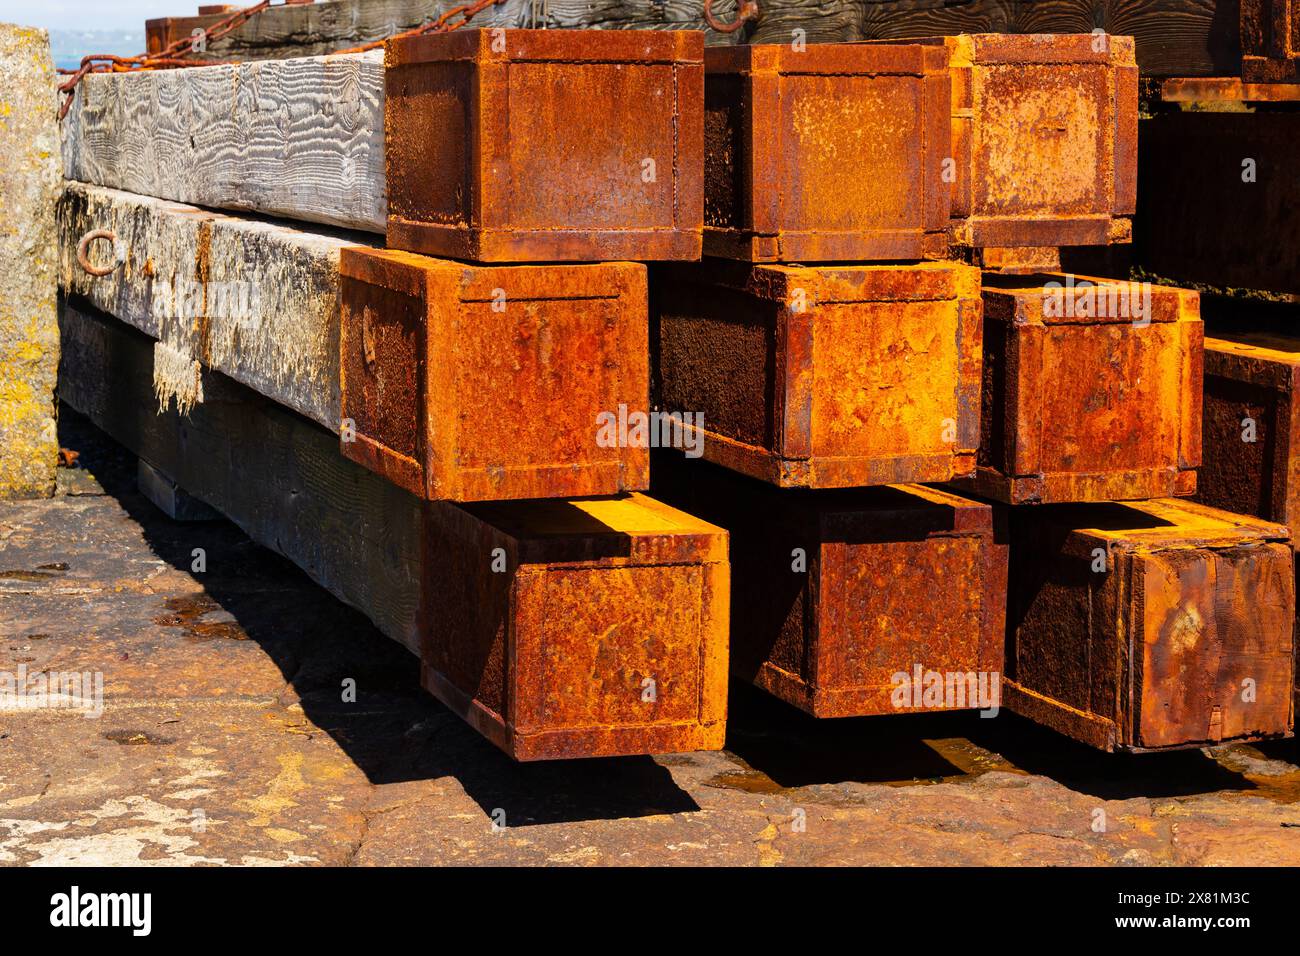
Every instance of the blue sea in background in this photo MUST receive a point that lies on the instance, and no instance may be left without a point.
(69, 46)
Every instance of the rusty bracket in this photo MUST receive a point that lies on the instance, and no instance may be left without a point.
(748, 10)
(83, 248)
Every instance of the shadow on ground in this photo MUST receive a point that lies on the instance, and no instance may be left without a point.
(396, 732)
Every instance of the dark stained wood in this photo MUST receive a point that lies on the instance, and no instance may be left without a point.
(1174, 37)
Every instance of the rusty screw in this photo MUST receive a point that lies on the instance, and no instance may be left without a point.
(83, 247)
(748, 11)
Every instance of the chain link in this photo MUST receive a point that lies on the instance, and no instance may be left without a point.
(176, 54)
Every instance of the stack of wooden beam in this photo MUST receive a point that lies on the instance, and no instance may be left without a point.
(915, 432)
(1077, 392)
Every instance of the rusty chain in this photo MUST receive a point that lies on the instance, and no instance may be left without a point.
(175, 54)
(747, 10)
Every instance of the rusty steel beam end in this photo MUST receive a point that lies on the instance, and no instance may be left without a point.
(489, 157)
(1151, 625)
(578, 628)
(473, 383)
(1091, 390)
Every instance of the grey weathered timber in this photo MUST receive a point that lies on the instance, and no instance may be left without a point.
(320, 28)
(276, 475)
(1174, 37)
(29, 332)
(170, 498)
(300, 138)
(255, 300)
(294, 30)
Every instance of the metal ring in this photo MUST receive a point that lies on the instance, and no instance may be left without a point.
(83, 248)
(748, 11)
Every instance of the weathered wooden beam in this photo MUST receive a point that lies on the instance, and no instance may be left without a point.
(559, 628)
(325, 27)
(255, 300)
(1151, 626)
(300, 138)
(507, 404)
(168, 497)
(1173, 37)
(1092, 390)
(836, 596)
(275, 474)
(822, 376)
(29, 333)
(309, 29)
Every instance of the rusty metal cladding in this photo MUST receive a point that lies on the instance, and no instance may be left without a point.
(471, 383)
(1230, 218)
(833, 152)
(821, 376)
(1151, 626)
(1044, 131)
(546, 145)
(578, 628)
(1092, 390)
(836, 592)
(1251, 435)
(1270, 41)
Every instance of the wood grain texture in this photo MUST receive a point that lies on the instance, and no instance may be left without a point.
(1174, 37)
(321, 28)
(276, 475)
(301, 138)
(311, 29)
(258, 301)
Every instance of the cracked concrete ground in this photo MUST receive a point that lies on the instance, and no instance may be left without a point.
(225, 739)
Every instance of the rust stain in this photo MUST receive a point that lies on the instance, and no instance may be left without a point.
(137, 738)
(203, 275)
(188, 612)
